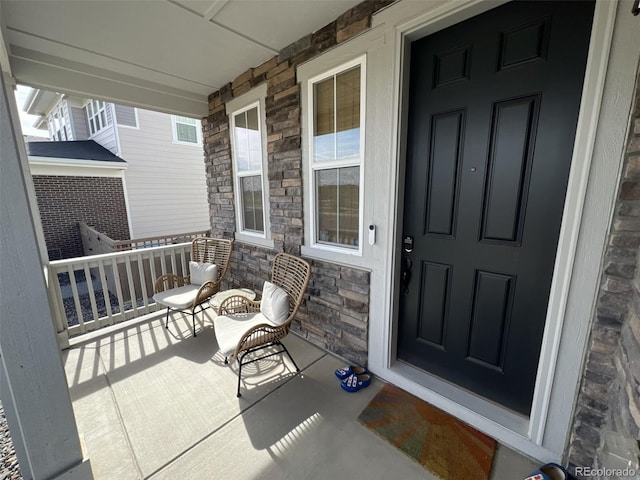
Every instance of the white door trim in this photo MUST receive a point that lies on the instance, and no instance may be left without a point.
(593, 90)
(526, 435)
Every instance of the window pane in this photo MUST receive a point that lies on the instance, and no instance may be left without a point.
(241, 120)
(187, 120)
(255, 143)
(337, 200)
(252, 208)
(248, 141)
(186, 133)
(243, 161)
(348, 114)
(324, 125)
(252, 118)
(349, 206)
(327, 205)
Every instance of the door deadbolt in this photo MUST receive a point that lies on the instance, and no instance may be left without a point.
(407, 244)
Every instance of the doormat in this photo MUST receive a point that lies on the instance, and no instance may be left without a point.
(447, 447)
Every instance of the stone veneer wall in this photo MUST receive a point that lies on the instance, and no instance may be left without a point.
(335, 316)
(65, 201)
(609, 398)
(336, 311)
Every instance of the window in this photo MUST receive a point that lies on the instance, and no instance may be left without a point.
(185, 130)
(57, 125)
(336, 149)
(247, 156)
(97, 116)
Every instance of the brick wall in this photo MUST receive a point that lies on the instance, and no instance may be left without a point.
(335, 316)
(64, 201)
(609, 398)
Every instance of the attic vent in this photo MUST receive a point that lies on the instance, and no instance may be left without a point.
(126, 116)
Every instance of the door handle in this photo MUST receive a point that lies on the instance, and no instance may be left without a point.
(405, 275)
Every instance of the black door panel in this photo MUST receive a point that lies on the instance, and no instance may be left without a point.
(493, 106)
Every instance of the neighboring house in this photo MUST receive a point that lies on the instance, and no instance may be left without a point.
(164, 182)
(77, 181)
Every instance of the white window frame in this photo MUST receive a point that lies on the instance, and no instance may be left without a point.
(174, 129)
(58, 124)
(326, 165)
(252, 99)
(93, 110)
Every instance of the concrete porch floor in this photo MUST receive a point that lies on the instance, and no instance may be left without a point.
(160, 404)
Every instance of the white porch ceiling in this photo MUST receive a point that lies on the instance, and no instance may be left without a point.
(166, 55)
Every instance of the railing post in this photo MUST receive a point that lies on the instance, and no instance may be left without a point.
(54, 294)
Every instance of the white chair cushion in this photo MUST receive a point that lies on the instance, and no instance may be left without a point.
(230, 329)
(274, 304)
(201, 272)
(178, 298)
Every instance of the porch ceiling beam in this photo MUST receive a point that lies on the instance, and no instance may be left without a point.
(110, 86)
(215, 7)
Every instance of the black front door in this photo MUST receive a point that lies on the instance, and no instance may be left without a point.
(493, 107)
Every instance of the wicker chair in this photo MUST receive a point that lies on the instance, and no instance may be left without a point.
(244, 326)
(208, 265)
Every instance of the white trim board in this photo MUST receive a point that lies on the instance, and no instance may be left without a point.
(255, 96)
(75, 167)
(372, 206)
(311, 243)
(599, 142)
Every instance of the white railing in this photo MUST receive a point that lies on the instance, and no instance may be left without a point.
(88, 293)
(96, 243)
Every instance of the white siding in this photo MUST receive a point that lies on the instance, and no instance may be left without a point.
(165, 182)
(107, 136)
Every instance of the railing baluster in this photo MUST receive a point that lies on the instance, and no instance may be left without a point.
(105, 292)
(183, 261)
(132, 289)
(116, 279)
(174, 266)
(143, 282)
(76, 298)
(92, 296)
(152, 269)
(163, 263)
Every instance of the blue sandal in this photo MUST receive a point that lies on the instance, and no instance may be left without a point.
(346, 372)
(550, 471)
(355, 382)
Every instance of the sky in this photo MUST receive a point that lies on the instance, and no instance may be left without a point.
(27, 120)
